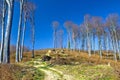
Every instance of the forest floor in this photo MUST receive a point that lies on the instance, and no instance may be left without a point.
(64, 65)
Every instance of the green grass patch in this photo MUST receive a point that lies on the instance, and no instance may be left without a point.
(39, 75)
(86, 72)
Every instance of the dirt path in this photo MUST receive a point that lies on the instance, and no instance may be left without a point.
(51, 73)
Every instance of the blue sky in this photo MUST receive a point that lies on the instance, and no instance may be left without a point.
(61, 10)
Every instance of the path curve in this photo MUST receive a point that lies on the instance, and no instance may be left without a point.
(53, 74)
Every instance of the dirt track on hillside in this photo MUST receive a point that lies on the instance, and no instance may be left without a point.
(53, 74)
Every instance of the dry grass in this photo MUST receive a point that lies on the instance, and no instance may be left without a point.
(67, 58)
(17, 72)
(11, 72)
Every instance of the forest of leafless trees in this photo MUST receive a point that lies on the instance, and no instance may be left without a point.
(27, 10)
(94, 34)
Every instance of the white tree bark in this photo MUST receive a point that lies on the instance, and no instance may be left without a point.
(19, 32)
(23, 37)
(2, 32)
(6, 55)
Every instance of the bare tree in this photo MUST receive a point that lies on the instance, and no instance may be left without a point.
(32, 21)
(83, 36)
(68, 26)
(26, 15)
(75, 35)
(55, 25)
(112, 22)
(87, 25)
(19, 32)
(60, 38)
(97, 23)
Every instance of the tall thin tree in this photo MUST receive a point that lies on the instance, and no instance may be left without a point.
(55, 25)
(6, 55)
(19, 32)
(32, 21)
(68, 26)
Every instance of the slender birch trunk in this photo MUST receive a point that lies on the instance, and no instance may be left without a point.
(19, 32)
(83, 43)
(94, 43)
(100, 46)
(113, 44)
(23, 38)
(3, 31)
(116, 40)
(6, 55)
(33, 34)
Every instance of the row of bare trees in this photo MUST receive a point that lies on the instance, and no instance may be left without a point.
(94, 34)
(57, 35)
(27, 10)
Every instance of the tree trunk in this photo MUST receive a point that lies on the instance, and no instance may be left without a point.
(19, 32)
(88, 40)
(33, 34)
(33, 42)
(100, 46)
(107, 46)
(113, 44)
(23, 37)
(94, 43)
(54, 39)
(83, 43)
(6, 55)
(69, 44)
(116, 40)
(74, 44)
(88, 44)
(2, 33)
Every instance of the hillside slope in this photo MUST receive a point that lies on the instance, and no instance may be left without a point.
(66, 65)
